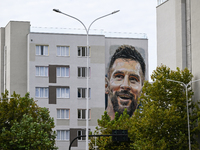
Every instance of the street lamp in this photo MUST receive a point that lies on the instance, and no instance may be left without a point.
(87, 32)
(186, 85)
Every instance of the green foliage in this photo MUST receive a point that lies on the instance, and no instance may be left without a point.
(161, 122)
(106, 125)
(24, 125)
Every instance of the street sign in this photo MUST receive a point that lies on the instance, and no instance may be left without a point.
(119, 135)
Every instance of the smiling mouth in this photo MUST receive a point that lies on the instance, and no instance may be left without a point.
(125, 97)
(124, 100)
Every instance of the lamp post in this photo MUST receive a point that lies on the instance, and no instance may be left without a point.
(188, 120)
(87, 32)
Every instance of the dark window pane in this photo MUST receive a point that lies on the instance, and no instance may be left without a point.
(83, 133)
(83, 114)
(79, 133)
(83, 72)
(79, 51)
(42, 49)
(79, 93)
(89, 113)
(83, 51)
(89, 93)
(79, 114)
(79, 72)
(83, 93)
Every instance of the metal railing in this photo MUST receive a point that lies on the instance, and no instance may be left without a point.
(92, 31)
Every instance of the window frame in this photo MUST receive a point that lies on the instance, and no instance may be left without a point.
(39, 74)
(65, 113)
(46, 92)
(81, 97)
(81, 51)
(80, 138)
(61, 94)
(65, 135)
(61, 72)
(60, 46)
(81, 110)
(39, 52)
(80, 69)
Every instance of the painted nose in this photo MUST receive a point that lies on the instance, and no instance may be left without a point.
(125, 85)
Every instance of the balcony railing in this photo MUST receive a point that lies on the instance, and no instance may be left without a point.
(92, 31)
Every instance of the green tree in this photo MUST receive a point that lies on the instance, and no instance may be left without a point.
(25, 125)
(161, 122)
(105, 127)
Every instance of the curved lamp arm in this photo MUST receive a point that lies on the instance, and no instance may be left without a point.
(87, 30)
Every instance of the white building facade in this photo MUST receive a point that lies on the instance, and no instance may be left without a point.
(178, 35)
(52, 68)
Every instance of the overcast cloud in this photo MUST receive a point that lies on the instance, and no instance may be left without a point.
(135, 16)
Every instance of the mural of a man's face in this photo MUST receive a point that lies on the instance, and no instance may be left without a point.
(124, 85)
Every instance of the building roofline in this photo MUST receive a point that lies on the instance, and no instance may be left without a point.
(66, 34)
(101, 35)
(126, 38)
(16, 21)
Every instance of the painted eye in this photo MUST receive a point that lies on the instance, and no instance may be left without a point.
(134, 78)
(119, 76)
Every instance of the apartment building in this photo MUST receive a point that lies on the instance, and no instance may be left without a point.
(52, 67)
(178, 35)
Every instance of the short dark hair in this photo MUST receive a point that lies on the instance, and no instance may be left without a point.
(127, 52)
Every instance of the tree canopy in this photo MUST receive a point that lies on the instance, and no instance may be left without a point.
(160, 123)
(106, 125)
(25, 125)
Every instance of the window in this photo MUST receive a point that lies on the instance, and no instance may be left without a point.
(41, 92)
(62, 92)
(42, 71)
(82, 114)
(62, 71)
(79, 133)
(82, 93)
(82, 132)
(82, 51)
(62, 113)
(62, 50)
(82, 71)
(62, 134)
(42, 50)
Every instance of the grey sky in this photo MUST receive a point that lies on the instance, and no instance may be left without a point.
(135, 16)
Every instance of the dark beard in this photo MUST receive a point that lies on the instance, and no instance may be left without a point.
(119, 109)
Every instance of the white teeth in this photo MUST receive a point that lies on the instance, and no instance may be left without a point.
(124, 96)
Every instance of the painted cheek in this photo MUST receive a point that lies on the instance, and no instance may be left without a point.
(114, 85)
(136, 89)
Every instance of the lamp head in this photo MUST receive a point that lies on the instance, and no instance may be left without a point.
(57, 10)
(115, 11)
